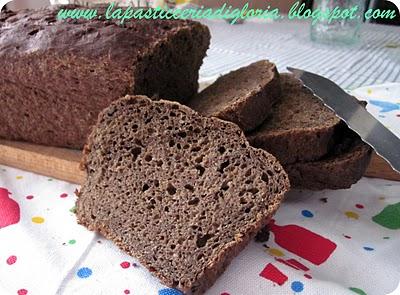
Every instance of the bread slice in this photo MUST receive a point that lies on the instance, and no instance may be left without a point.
(181, 192)
(300, 128)
(342, 167)
(244, 96)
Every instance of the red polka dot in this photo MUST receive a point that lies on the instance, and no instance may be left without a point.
(29, 197)
(359, 206)
(64, 195)
(11, 260)
(307, 276)
(127, 291)
(22, 292)
(125, 264)
(224, 293)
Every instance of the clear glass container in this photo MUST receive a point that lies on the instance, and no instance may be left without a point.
(342, 30)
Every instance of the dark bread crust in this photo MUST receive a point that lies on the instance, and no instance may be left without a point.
(191, 267)
(340, 169)
(244, 96)
(300, 128)
(56, 76)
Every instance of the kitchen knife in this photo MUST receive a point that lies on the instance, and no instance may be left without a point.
(373, 132)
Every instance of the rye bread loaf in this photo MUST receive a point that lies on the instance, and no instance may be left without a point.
(57, 75)
(343, 166)
(244, 96)
(181, 192)
(300, 128)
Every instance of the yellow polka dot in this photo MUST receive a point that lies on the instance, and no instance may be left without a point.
(37, 219)
(369, 91)
(351, 214)
(392, 45)
(275, 252)
(19, 177)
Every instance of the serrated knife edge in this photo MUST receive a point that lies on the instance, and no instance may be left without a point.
(358, 119)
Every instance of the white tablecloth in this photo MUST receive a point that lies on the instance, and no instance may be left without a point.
(328, 242)
(374, 60)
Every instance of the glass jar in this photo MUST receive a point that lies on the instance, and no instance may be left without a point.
(342, 30)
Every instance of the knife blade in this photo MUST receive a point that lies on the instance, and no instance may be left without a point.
(346, 107)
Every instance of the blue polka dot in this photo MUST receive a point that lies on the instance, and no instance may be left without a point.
(368, 248)
(84, 272)
(169, 292)
(307, 213)
(297, 286)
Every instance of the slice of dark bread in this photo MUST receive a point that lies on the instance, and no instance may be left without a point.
(181, 192)
(341, 168)
(244, 96)
(300, 128)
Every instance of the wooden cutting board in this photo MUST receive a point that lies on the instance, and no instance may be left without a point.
(50, 161)
(64, 163)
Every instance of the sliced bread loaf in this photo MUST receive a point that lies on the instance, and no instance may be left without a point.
(244, 96)
(181, 192)
(300, 128)
(341, 168)
(57, 75)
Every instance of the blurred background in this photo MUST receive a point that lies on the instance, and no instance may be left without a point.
(283, 5)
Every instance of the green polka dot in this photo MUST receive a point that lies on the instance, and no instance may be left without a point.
(386, 238)
(71, 242)
(389, 217)
(50, 179)
(358, 291)
(73, 209)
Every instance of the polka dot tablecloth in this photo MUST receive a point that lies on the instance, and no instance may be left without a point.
(328, 242)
